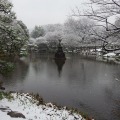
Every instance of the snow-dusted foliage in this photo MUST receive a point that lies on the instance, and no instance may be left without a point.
(52, 38)
(13, 33)
(41, 40)
(71, 40)
(73, 33)
(81, 28)
(37, 32)
(53, 27)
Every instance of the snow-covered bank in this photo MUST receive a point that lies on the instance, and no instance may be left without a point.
(32, 108)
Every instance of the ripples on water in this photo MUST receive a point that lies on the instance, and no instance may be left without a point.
(92, 87)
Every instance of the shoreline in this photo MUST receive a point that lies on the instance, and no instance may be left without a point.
(109, 60)
(33, 105)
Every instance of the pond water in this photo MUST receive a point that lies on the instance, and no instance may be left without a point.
(90, 86)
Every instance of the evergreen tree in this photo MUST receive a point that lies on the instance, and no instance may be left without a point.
(13, 33)
(37, 32)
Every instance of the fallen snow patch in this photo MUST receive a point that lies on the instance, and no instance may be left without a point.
(25, 104)
(109, 55)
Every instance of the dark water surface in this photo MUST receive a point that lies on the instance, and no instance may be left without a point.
(92, 87)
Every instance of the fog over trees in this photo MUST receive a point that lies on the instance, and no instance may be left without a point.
(82, 28)
(91, 26)
(73, 33)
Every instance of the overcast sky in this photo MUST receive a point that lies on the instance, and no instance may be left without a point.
(41, 12)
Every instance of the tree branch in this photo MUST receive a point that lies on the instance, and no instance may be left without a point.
(115, 3)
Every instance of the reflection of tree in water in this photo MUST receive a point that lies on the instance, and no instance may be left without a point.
(19, 73)
(113, 95)
(39, 62)
(59, 63)
(116, 109)
(75, 71)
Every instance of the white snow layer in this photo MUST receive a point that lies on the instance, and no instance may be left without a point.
(25, 104)
(109, 55)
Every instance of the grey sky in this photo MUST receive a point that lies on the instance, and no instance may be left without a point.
(41, 12)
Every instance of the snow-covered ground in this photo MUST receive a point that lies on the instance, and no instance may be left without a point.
(28, 106)
(109, 55)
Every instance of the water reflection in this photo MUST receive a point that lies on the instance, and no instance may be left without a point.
(92, 87)
(18, 75)
(59, 63)
(116, 109)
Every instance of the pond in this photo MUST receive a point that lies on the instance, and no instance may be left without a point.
(92, 87)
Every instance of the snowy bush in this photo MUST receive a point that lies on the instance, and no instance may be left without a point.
(13, 33)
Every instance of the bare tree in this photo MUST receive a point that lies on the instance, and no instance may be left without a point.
(102, 11)
(81, 28)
